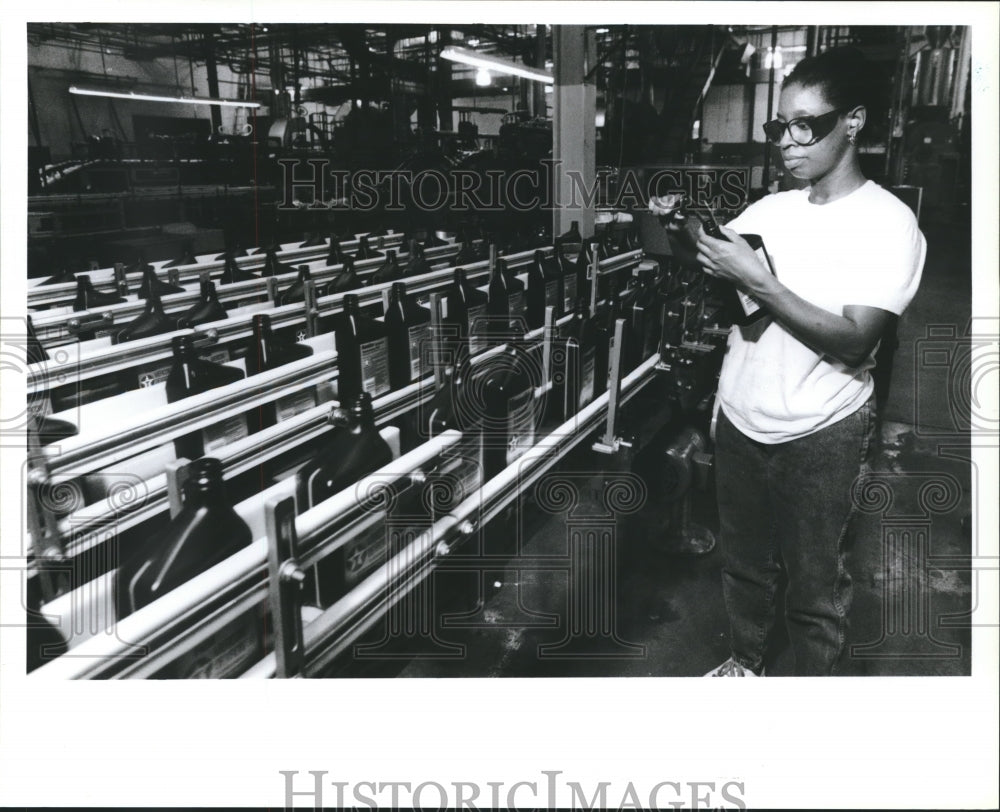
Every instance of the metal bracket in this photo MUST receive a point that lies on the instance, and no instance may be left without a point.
(594, 272)
(43, 524)
(205, 338)
(609, 443)
(437, 340)
(90, 322)
(177, 474)
(549, 330)
(285, 582)
(121, 281)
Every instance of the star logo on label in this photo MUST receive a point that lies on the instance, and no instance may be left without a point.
(357, 559)
(301, 335)
(146, 381)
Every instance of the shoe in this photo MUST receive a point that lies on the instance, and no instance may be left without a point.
(731, 668)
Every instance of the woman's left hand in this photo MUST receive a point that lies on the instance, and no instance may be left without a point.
(734, 261)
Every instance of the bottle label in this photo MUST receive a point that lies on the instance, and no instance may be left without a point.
(152, 376)
(747, 302)
(459, 475)
(552, 293)
(224, 433)
(569, 292)
(520, 424)
(515, 303)
(364, 553)
(420, 348)
(477, 337)
(294, 404)
(587, 377)
(375, 367)
(226, 653)
(219, 356)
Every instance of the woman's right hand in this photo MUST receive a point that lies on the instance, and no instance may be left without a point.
(667, 207)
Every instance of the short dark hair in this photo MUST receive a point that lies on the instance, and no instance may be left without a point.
(846, 79)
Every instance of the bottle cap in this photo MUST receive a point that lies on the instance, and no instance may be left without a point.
(204, 475)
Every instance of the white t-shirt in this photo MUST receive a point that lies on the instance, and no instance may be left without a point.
(862, 249)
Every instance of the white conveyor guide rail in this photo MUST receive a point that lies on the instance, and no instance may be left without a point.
(85, 454)
(63, 293)
(329, 634)
(150, 638)
(61, 322)
(97, 360)
(146, 641)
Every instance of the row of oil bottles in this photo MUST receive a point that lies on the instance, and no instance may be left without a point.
(489, 378)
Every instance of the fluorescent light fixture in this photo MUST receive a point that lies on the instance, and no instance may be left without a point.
(112, 94)
(495, 64)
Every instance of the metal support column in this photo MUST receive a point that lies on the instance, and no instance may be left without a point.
(574, 130)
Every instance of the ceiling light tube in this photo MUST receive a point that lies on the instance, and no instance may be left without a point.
(495, 63)
(111, 94)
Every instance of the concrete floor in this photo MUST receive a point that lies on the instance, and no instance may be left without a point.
(662, 613)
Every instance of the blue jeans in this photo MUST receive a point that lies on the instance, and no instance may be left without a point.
(790, 505)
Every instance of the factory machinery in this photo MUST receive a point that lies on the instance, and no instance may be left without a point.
(253, 464)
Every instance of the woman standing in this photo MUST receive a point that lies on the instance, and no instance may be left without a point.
(796, 420)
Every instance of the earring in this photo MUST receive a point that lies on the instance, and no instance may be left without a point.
(852, 137)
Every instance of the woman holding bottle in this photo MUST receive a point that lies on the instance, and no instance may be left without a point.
(796, 418)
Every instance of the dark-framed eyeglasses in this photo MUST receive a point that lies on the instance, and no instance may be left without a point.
(804, 130)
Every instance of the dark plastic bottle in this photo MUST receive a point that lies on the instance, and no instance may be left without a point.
(274, 266)
(416, 262)
(151, 282)
(388, 271)
(266, 352)
(336, 255)
(313, 240)
(87, 297)
(459, 473)
(207, 308)
(569, 278)
(205, 532)
(187, 257)
(579, 383)
(191, 375)
(506, 298)
(409, 329)
(64, 277)
(296, 291)
(362, 353)
(645, 317)
(467, 254)
(466, 307)
(572, 237)
(365, 251)
(352, 450)
(153, 321)
(741, 307)
(140, 265)
(346, 280)
(234, 273)
(583, 262)
(236, 249)
(44, 641)
(508, 400)
(544, 289)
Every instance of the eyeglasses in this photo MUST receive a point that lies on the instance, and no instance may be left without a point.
(804, 130)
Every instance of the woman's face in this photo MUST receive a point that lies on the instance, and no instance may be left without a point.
(816, 160)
